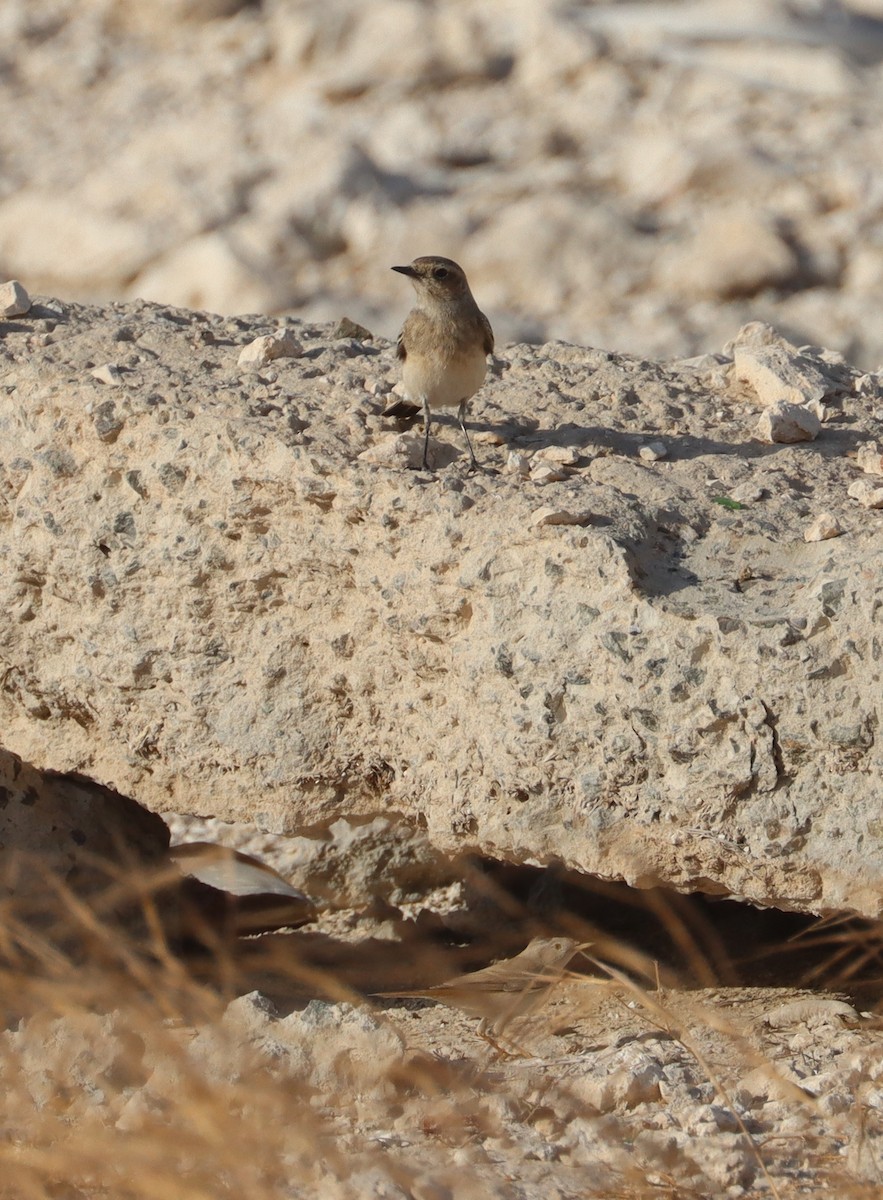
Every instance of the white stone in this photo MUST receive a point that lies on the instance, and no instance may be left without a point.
(14, 300)
(653, 451)
(108, 373)
(866, 493)
(776, 369)
(747, 493)
(565, 456)
(547, 474)
(281, 344)
(401, 450)
(558, 516)
(517, 463)
(788, 423)
(870, 458)
(867, 385)
(825, 526)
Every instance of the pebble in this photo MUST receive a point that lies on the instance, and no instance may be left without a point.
(866, 493)
(14, 300)
(544, 473)
(346, 328)
(653, 451)
(787, 423)
(870, 458)
(281, 344)
(565, 456)
(546, 515)
(867, 385)
(108, 373)
(402, 450)
(747, 493)
(517, 464)
(825, 526)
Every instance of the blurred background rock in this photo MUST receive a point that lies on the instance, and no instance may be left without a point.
(642, 177)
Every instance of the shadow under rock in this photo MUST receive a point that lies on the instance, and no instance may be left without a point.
(292, 969)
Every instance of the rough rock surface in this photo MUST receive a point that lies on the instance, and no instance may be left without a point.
(213, 603)
(640, 176)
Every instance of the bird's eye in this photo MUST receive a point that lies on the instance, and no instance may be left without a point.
(440, 273)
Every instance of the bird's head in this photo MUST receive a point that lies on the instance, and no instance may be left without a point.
(439, 279)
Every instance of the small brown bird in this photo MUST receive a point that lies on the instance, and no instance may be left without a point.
(444, 342)
(510, 988)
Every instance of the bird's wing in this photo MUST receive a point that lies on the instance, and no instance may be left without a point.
(401, 351)
(487, 333)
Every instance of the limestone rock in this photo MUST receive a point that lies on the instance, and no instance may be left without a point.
(108, 373)
(351, 329)
(775, 369)
(262, 350)
(256, 608)
(825, 526)
(787, 423)
(866, 493)
(547, 515)
(542, 472)
(14, 300)
(870, 458)
(653, 451)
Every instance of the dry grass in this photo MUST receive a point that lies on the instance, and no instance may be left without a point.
(129, 1074)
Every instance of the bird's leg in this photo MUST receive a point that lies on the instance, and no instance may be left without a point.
(426, 423)
(490, 1034)
(461, 416)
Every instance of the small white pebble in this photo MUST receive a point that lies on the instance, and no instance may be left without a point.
(653, 451)
(558, 516)
(867, 495)
(786, 423)
(517, 464)
(825, 526)
(546, 474)
(108, 373)
(403, 451)
(281, 344)
(870, 458)
(747, 493)
(565, 456)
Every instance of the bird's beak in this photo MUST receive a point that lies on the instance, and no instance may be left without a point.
(405, 271)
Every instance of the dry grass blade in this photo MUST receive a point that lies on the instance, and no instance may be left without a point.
(665, 1021)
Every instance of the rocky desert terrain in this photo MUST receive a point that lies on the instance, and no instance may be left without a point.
(643, 177)
(622, 683)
